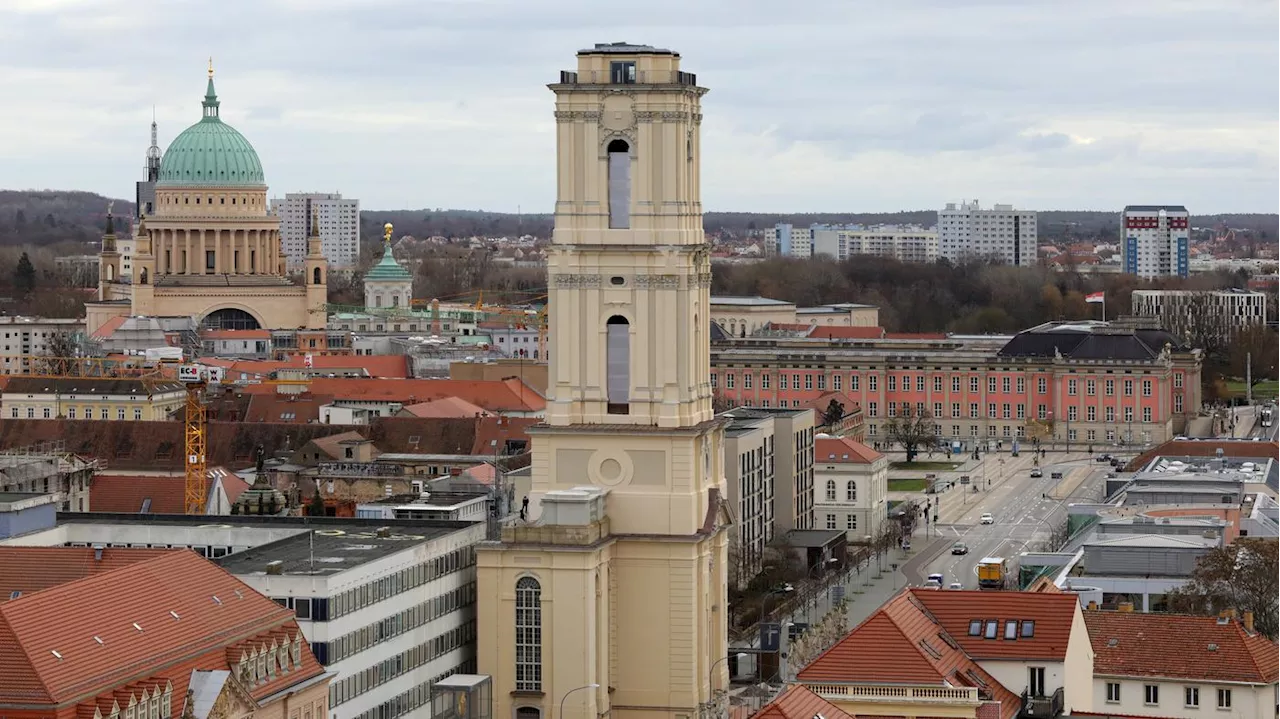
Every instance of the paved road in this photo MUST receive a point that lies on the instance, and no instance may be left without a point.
(1026, 511)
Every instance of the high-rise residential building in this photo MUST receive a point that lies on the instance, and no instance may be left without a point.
(904, 243)
(1000, 234)
(614, 588)
(339, 226)
(1155, 240)
(1234, 308)
(792, 241)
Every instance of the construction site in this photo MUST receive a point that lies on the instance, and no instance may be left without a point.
(48, 468)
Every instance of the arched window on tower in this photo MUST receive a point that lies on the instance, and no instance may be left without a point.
(315, 276)
(111, 273)
(528, 635)
(143, 276)
(618, 364)
(619, 185)
(831, 490)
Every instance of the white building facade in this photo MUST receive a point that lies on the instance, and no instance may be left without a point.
(904, 243)
(339, 227)
(791, 241)
(1001, 234)
(25, 337)
(749, 482)
(1155, 240)
(851, 487)
(1238, 308)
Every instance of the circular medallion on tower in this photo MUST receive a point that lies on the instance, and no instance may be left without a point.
(610, 468)
(211, 152)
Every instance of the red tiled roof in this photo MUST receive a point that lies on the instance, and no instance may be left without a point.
(799, 702)
(446, 407)
(903, 644)
(132, 611)
(332, 444)
(847, 333)
(108, 328)
(289, 408)
(842, 450)
(1178, 646)
(32, 569)
(1053, 615)
(509, 395)
(127, 494)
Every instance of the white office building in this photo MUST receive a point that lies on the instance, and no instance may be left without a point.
(1235, 307)
(1000, 234)
(339, 227)
(791, 241)
(1155, 240)
(905, 243)
(388, 605)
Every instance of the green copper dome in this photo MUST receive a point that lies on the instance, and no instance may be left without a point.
(211, 152)
(388, 270)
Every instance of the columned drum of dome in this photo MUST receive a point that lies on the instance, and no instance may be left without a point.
(209, 248)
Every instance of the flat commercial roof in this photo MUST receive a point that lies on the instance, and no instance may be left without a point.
(330, 550)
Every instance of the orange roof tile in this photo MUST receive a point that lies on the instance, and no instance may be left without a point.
(446, 407)
(1178, 646)
(902, 643)
(1053, 614)
(799, 702)
(288, 408)
(132, 611)
(108, 328)
(508, 395)
(32, 569)
(129, 494)
(842, 450)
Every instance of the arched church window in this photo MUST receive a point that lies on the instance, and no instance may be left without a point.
(315, 276)
(618, 364)
(528, 635)
(619, 185)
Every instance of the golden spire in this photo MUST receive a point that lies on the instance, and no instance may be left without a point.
(386, 234)
(211, 67)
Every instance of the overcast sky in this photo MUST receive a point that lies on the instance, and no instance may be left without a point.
(815, 105)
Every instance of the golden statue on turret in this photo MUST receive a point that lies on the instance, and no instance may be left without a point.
(386, 234)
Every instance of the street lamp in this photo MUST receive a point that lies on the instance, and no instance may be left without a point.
(711, 680)
(575, 689)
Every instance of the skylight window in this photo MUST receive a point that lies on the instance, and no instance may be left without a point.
(991, 629)
(975, 627)
(1011, 629)
(1028, 628)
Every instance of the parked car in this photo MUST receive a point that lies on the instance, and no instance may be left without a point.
(935, 578)
(959, 548)
(1037, 473)
(987, 518)
(955, 585)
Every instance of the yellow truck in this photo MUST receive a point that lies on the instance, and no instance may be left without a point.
(993, 573)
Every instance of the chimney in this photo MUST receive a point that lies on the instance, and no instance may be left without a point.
(276, 567)
(1124, 607)
(1092, 606)
(1227, 614)
(97, 552)
(1246, 618)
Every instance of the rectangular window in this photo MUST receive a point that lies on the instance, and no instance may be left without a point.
(1110, 386)
(47, 413)
(1128, 388)
(808, 381)
(920, 383)
(764, 381)
(893, 383)
(974, 412)
(1011, 629)
(1022, 411)
(1071, 413)
(1151, 694)
(937, 409)
(795, 381)
(837, 382)
(729, 380)
(853, 383)
(1042, 385)
(1146, 388)
(872, 410)
(1177, 381)
(1091, 387)
(1128, 414)
(1113, 692)
(1071, 387)
(873, 382)
(991, 410)
(619, 364)
(1004, 384)
(991, 630)
(937, 384)
(1022, 385)
(120, 413)
(1191, 697)
(622, 73)
(991, 385)
(1091, 413)
(1110, 414)
(851, 521)
(71, 412)
(746, 381)
(1146, 414)
(831, 521)
(973, 384)
(103, 413)
(975, 627)
(955, 410)
(1224, 698)
(1006, 411)
(1177, 403)
(955, 384)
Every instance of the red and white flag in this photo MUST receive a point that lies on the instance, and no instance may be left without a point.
(1096, 298)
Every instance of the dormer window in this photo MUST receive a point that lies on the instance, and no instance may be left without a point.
(622, 73)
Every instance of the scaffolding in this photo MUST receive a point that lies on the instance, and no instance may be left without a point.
(48, 468)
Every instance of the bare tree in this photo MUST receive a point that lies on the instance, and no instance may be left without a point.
(59, 356)
(1242, 575)
(834, 412)
(911, 428)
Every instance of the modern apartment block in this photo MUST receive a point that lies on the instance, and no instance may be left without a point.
(1155, 240)
(339, 227)
(749, 466)
(792, 471)
(905, 243)
(791, 241)
(1000, 234)
(1237, 308)
(26, 337)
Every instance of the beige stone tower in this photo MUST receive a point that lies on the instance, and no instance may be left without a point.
(617, 576)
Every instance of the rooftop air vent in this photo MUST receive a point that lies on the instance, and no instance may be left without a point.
(1113, 642)
(1213, 647)
(137, 626)
(98, 639)
(55, 653)
(174, 614)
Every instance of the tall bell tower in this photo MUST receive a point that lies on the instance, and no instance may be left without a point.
(618, 569)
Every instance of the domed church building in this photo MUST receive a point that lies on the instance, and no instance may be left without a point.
(210, 249)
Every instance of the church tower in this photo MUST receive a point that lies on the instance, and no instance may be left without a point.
(617, 570)
(108, 258)
(316, 268)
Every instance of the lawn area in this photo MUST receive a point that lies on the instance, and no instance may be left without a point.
(924, 465)
(1262, 390)
(907, 485)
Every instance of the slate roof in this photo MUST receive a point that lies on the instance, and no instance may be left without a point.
(1080, 342)
(1177, 646)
